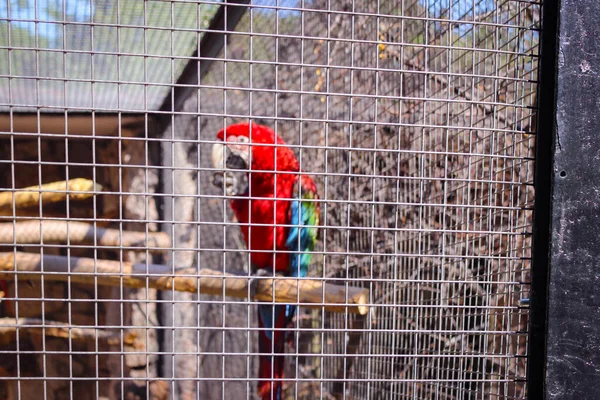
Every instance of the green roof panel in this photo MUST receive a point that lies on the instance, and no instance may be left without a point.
(91, 54)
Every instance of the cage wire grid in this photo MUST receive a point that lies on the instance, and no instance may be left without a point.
(414, 118)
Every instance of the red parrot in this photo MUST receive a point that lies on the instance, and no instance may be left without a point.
(269, 194)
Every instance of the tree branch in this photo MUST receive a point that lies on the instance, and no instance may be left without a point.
(8, 331)
(77, 189)
(305, 292)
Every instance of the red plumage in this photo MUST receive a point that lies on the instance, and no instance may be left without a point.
(270, 368)
(264, 211)
(263, 184)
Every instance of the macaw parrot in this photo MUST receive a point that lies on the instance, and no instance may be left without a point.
(269, 196)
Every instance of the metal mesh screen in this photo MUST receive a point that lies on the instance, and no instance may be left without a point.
(414, 118)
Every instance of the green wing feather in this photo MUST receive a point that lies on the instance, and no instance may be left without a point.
(305, 216)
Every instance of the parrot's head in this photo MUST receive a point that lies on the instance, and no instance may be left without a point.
(250, 153)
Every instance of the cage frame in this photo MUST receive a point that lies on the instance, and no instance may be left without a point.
(547, 354)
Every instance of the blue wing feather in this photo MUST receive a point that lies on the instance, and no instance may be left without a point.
(302, 236)
(301, 239)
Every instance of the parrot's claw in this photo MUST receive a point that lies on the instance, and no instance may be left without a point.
(233, 183)
(253, 282)
(226, 181)
(252, 285)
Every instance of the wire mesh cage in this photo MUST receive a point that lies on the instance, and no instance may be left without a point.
(130, 269)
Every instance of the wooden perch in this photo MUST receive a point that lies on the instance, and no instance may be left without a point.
(8, 332)
(61, 232)
(309, 293)
(76, 189)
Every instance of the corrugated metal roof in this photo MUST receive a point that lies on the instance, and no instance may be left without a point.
(82, 54)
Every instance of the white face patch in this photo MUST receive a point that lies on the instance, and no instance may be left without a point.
(240, 146)
(237, 145)
(233, 182)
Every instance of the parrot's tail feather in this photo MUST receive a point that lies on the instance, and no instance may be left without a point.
(269, 386)
(271, 342)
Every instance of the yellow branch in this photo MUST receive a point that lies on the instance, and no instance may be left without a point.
(8, 331)
(72, 232)
(307, 292)
(76, 189)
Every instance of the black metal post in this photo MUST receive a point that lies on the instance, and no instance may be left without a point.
(565, 364)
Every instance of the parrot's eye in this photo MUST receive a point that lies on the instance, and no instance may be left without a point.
(243, 139)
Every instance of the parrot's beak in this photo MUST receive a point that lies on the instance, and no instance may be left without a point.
(233, 182)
